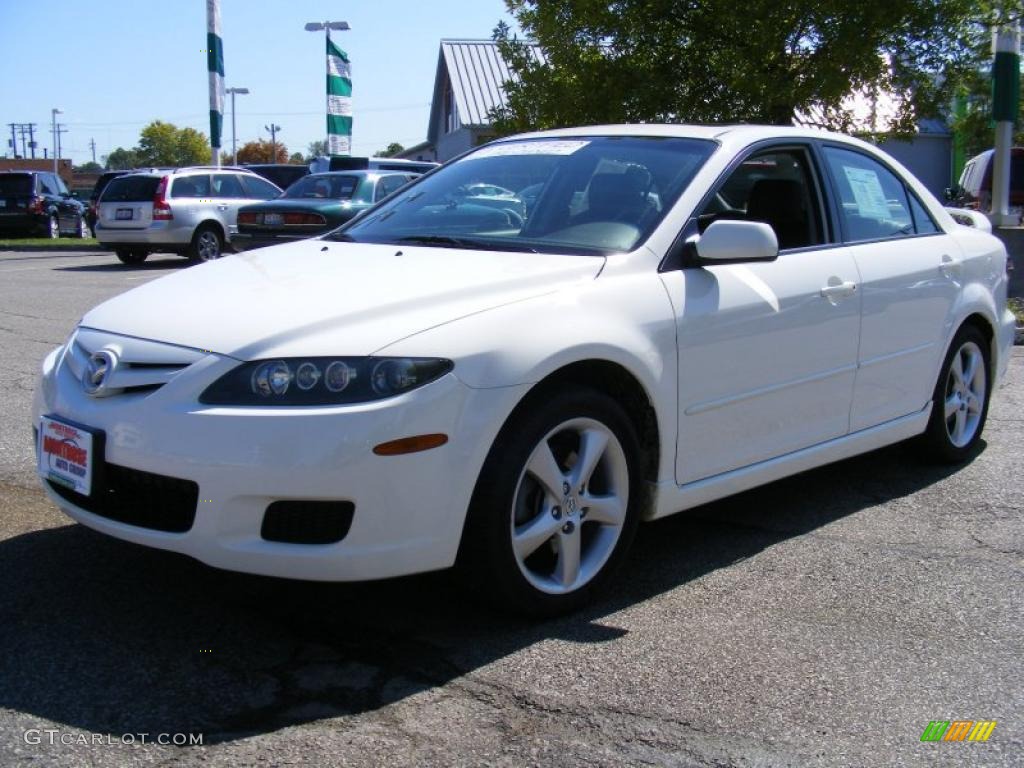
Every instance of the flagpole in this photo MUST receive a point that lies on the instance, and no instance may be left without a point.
(339, 88)
(215, 72)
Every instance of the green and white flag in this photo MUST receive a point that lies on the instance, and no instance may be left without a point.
(339, 101)
(215, 66)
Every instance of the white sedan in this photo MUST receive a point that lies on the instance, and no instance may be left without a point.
(685, 313)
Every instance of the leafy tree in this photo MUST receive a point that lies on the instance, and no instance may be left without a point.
(296, 158)
(712, 61)
(392, 149)
(227, 159)
(89, 167)
(260, 151)
(316, 149)
(163, 143)
(121, 159)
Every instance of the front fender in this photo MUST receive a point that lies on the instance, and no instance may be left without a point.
(626, 319)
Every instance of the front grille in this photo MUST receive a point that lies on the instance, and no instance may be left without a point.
(138, 498)
(307, 522)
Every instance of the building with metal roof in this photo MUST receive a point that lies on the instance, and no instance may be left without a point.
(468, 85)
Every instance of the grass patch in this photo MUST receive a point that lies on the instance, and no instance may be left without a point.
(1017, 307)
(46, 243)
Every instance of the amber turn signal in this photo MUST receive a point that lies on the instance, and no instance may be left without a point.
(410, 445)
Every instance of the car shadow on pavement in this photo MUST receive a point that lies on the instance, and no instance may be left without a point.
(103, 636)
(150, 265)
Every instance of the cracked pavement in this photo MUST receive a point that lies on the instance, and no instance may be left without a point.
(823, 620)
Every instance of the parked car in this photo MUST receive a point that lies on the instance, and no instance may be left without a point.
(281, 174)
(189, 211)
(314, 205)
(427, 385)
(326, 164)
(38, 203)
(974, 189)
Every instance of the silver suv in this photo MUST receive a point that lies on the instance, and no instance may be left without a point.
(189, 211)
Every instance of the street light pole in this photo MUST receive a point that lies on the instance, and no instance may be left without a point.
(234, 136)
(327, 26)
(53, 118)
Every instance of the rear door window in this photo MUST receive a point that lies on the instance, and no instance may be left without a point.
(872, 200)
(130, 189)
(46, 185)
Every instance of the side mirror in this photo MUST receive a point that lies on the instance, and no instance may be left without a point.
(726, 242)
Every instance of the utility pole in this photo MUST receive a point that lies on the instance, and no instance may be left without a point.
(273, 140)
(32, 139)
(53, 120)
(92, 146)
(14, 141)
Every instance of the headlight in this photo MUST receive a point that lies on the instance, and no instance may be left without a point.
(323, 380)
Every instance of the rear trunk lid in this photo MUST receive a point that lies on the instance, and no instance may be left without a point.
(127, 202)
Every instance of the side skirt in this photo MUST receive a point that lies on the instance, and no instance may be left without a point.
(670, 498)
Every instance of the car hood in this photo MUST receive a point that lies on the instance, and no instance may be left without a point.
(317, 297)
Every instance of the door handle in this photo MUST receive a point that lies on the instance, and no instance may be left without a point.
(838, 290)
(222, 207)
(949, 265)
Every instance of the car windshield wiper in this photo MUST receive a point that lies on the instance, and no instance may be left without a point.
(340, 237)
(464, 242)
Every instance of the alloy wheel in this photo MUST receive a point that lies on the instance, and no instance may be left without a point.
(965, 394)
(208, 245)
(570, 506)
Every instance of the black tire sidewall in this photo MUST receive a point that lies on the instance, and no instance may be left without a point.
(935, 439)
(487, 557)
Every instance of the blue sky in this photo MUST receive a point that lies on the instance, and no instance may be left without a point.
(114, 65)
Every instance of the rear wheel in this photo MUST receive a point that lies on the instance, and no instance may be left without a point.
(207, 244)
(53, 228)
(556, 505)
(82, 230)
(131, 255)
(960, 399)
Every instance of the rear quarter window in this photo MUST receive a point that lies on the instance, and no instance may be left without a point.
(130, 189)
(16, 185)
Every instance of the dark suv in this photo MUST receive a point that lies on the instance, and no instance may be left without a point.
(38, 203)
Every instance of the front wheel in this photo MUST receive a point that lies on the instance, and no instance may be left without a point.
(556, 505)
(53, 228)
(960, 399)
(82, 231)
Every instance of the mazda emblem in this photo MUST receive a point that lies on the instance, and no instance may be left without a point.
(97, 372)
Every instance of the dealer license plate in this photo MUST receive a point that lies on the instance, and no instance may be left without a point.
(123, 214)
(66, 454)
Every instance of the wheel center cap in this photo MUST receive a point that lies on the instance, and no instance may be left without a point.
(570, 505)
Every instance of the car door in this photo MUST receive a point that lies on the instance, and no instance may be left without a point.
(66, 205)
(228, 197)
(767, 350)
(910, 272)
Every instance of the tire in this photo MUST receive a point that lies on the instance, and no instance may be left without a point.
(541, 546)
(131, 256)
(207, 244)
(960, 400)
(82, 231)
(53, 228)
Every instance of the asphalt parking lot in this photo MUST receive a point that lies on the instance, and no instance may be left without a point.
(820, 621)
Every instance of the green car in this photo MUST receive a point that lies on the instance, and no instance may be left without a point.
(313, 205)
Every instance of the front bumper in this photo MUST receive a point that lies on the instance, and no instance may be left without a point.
(409, 510)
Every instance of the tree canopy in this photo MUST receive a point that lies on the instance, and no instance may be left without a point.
(121, 159)
(391, 150)
(715, 61)
(261, 151)
(163, 143)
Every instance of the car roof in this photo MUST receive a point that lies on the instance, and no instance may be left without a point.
(749, 133)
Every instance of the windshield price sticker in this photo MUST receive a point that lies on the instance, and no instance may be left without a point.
(557, 147)
(65, 455)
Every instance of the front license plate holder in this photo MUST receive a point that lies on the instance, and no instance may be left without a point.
(70, 454)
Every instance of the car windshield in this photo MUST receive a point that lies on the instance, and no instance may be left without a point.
(587, 195)
(15, 185)
(326, 187)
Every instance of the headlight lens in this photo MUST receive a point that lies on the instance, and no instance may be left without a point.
(323, 380)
